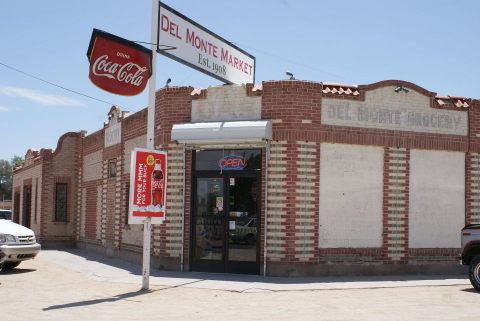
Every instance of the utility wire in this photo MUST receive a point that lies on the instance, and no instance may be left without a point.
(292, 61)
(56, 85)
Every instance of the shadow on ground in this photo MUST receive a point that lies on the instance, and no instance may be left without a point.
(123, 296)
(16, 271)
(135, 269)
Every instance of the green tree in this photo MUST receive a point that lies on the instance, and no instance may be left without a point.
(16, 161)
(6, 170)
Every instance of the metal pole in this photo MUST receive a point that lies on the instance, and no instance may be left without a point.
(183, 208)
(267, 158)
(147, 226)
(147, 232)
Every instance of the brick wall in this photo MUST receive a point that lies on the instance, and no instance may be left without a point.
(65, 164)
(472, 166)
(43, 171)
(173, 106)
(92, 188)
(99, 205)
(295, 108)
(32, 172)
(64, 168)
(277, 202)
(395, 204)
(174, 199)
(306, 201)
(134, 130)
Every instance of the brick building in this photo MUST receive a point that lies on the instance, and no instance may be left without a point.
(374, 178)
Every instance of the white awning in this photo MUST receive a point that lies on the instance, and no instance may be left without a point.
(248, 131)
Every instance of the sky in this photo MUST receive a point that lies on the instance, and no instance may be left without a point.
(434, 44)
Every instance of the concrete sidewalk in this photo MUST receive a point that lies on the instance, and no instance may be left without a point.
(102, 268)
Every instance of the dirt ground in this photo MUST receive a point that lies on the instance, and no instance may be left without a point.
(41, 289)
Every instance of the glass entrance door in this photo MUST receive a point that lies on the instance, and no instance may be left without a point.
(209, 222)
(243, 225)
(226, 224)
(226, 210)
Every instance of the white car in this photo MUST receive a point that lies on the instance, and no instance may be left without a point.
(17, 244)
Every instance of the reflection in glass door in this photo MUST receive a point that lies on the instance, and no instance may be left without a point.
(208, 252)
(243, 219)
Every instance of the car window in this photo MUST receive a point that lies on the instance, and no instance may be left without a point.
(6, 215)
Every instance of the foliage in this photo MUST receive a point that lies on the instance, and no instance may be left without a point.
(6, 169)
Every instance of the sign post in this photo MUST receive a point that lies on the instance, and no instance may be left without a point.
(122, 67)
(147, 227)
(147, 203)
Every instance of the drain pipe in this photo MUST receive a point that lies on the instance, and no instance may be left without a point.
(267, 158)
(183, 207)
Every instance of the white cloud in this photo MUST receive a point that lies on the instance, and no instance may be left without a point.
(40, 97)
(3, 108)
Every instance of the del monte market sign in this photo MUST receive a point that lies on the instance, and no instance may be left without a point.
(118, 65)
(188, 42)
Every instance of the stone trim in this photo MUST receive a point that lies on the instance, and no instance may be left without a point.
(276, 202)
(396, 177)
(307, 195)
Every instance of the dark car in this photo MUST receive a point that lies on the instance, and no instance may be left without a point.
(471, 253)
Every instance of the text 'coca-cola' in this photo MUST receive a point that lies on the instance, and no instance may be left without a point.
(118, 65)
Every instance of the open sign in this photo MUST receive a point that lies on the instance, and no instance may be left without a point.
(232, 163)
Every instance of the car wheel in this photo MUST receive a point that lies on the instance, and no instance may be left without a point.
(10, 265)
(474, 272)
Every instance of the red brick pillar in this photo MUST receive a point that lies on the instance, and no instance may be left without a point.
(294, 173)
(173, 106)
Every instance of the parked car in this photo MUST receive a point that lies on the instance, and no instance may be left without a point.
(471, 253)
(6, 215)
(17, 244)
(245, 231)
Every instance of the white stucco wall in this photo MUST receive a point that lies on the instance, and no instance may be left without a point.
(383, 108)
(92, 166)
(227, 103)
(132, 234)
(138, 142)
(351, 196)
(437, 198)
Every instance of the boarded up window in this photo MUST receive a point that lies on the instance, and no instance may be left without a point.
(112, 168)
(61, 202)
(351, 196)
(437, 198)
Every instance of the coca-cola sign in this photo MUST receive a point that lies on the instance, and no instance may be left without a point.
(118, 65)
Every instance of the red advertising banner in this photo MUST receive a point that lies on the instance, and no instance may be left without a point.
(148, 182)
(118, 65)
